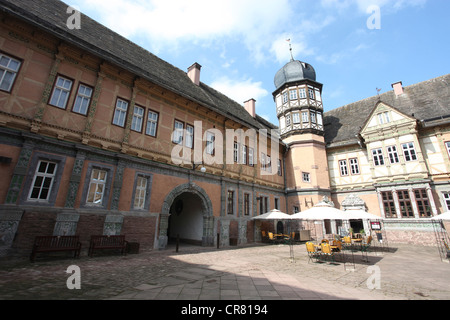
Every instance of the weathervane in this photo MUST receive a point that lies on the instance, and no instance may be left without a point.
(290, 48)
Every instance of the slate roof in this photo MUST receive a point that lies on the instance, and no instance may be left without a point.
(51, 15)
(428, 102)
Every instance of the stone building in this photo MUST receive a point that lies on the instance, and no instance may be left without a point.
(99, 136)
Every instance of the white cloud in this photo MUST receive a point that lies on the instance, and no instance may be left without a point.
(240, 90)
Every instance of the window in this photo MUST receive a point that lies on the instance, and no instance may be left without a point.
(210, 140)
(409, 151)
(313, 117)
(83, 99)
(305, 118)
(236, 152)
(405, 204)
(230, 202)
(43, 181)
(354, 166)
(296, 117)
(263, 161)
(343, 169)
(392, 154)
(306, 177)
(384, 117)
(447, 200)
(152, 123)
(263, 205)
(319, 118)
(244, 154)
(279, 168)
(311, 93)
(250, 157)
(423, 204)
(269, 163)
(61, 92)
(389, 204)
(293, 94)
(120, 113)
(447, 144)
(288, 120)
(141, 192)
(277, 203)
(378, 157)
(189, 136)
(302, 93)
(9, 68)
(177, 136)
(285, 97)
(97, 187)
(246, 204)
(138, 117)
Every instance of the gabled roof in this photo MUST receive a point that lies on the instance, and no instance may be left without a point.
(51, 16)
(427, 101)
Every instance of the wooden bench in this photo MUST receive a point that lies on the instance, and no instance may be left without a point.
(56, 244)
(107, 242)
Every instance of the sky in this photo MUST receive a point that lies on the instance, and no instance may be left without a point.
(355, 46)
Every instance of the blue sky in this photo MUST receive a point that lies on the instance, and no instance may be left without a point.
(241, 44)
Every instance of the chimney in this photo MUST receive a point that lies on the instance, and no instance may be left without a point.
(398, 88)
(194, 73)
(250, 107)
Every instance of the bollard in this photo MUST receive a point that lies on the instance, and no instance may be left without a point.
(218, 240)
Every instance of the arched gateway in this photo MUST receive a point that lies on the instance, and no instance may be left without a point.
(181, 200)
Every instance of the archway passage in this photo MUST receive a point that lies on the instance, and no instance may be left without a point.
(186, 219)
(189, 210)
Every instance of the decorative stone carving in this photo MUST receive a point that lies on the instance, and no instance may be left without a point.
(66, 224)
(113, 225)
(353, 202)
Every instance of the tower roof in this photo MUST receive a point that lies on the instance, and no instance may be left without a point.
(294, 71)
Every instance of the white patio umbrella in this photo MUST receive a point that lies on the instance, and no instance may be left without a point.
(361, 214)
(273, 215)
(321, 211)
(443, 216)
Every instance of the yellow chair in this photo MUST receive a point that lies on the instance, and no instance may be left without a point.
(313, 254)
(327, 252)
(272, 238)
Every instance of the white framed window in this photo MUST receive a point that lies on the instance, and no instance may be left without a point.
(296, 117)
(61, 92)
(141, 192)
(288, 120)
(319, 119)
(177, 135)
(285, 97)
(97, 186)
(9, 67)
(43, 181)
(384, 117)
(377, 155)
(236, 152)
(447, 200)
(306, 177)
(354, 166)
(343, 169)
(152, 123)
(83, 99)
(263, 161)
(251, 153)
(269, 163)
(447, 145)
(189, 136)
(311, 93)
(120, 113)
(392, 154)
(302, 93)
(210, 143)
(409, 152)
(244, 154)
(293, 94)
(313, 117)
(279, 168)
(305, 117)
(138, 119)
